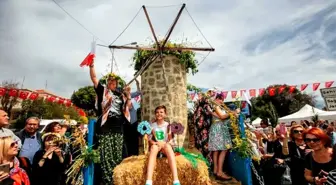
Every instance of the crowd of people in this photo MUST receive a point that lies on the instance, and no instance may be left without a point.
(300, 154)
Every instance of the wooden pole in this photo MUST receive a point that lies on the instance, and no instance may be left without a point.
(173, 26)
(164, 48)
(151, 25)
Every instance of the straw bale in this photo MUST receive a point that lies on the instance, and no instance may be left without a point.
(132, 171)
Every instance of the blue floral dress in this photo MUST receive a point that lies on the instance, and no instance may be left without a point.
(219, 134)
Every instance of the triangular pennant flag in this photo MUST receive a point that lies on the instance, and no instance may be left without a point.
(23, 95)
(225, 93)
(281, 89)
(252, 92)
(316, 86)
(2, 91)
(329, 84)
(271, 91)
(303, 87)
(261, 91)
(233, 94)
(33, 96)
(90, 57)
(292, 88)
(13, 92)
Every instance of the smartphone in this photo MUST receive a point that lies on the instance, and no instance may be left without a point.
(283, 130)
(5, 168)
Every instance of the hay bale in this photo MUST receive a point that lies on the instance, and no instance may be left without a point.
(132, 171)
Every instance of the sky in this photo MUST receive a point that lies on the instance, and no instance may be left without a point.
(257, 42)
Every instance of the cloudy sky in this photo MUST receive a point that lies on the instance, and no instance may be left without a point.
(257, 42)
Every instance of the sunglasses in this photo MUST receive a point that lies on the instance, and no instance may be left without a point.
(13, 144)
(297, 131)
(309, 140)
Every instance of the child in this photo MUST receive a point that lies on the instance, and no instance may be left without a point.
(159, 141)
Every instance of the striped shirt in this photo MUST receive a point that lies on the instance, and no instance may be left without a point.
(4, 132)
(331, 179)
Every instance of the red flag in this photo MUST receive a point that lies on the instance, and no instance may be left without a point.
(60, 100)
(233, 94)
(90, 57)
(281, 89)
(261, 91)
(252, 92)
(51, 99)
(316, 86)
(23, 95)
(68, 103)
(13, 92)
(225, 93)
(243, 105)
(2, 91)
(303, 86)
(329, 84)
(138, 98)
(33, 95)
(242, 92)
(292, 88)
(271, 91)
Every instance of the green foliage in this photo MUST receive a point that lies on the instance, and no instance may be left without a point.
(44, 110)
(186, 58)
(7, 102)
(84, 98)
(121, 82)
(244, 149)
(283, 103)
(193, 88)
(273, 115)
(89, 155)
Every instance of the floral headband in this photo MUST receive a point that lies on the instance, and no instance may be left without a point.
(112, 76)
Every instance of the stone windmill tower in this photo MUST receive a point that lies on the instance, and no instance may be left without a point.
(163, 76)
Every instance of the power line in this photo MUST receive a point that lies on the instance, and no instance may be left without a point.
(136, 15)
(165, 6)
(73, 18)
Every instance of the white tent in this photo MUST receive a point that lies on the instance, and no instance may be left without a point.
(305, 113)
(328, 115)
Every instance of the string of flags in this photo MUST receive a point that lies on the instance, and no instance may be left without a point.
(271, 91)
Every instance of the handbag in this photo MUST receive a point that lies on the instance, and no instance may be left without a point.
(286, 177)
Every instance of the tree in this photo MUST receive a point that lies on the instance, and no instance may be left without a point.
(44, 110)
(7, 101)
(284, 102)
(84, 98)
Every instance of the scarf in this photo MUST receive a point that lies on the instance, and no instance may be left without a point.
(107, 105)
(19, 176)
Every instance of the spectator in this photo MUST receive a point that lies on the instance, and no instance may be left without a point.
(4, 122)
(31, 138)
(8, 150)
(319, 162)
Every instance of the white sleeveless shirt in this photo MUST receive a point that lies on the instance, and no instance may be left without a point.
(160, 131)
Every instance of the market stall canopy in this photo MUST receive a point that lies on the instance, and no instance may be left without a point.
(328, 115)
(305, 113)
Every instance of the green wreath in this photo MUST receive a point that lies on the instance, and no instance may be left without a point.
(121, 82)
(186, 58)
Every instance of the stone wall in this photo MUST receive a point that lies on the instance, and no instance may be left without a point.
(155, 93)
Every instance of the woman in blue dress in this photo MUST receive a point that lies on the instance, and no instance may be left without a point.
(219, 138)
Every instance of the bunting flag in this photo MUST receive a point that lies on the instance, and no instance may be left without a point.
(61, 100)
(33, 96)
(13, 92)
(261, 91)
(328, 84)
(90, 57)
(316, 86)
(138, 98)
(292, 88)
(225, 93)
(233, 94)
(281, 89)
(303, 87)
(2, 91)
(51, 98)
(192, 95)
(23, 95)
(271, 91)
(252, 92)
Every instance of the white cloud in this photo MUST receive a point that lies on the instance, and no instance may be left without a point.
(257, 42)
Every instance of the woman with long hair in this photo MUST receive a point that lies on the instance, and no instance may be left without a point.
(318, 162)
(297, 150)
(8, 152)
